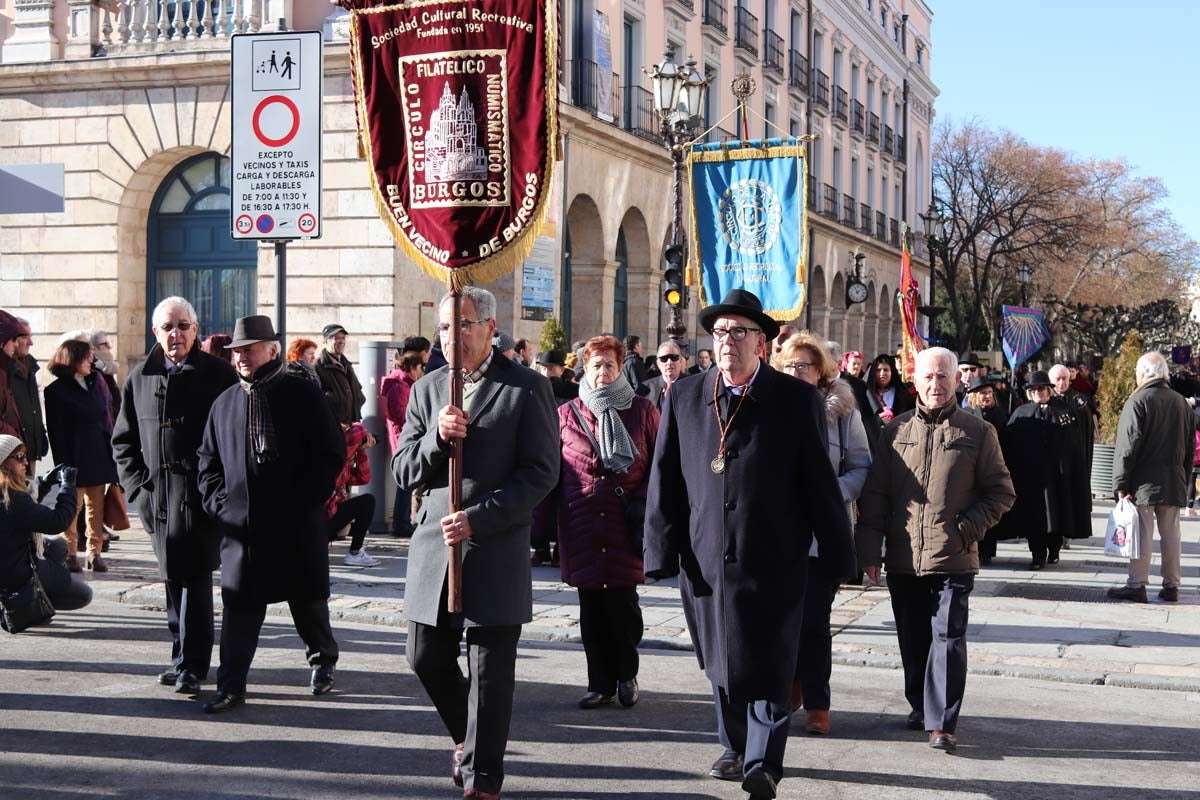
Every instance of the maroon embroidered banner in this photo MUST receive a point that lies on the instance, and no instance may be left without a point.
(457, 117)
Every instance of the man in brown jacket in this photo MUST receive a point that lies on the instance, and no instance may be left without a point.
(937, 484)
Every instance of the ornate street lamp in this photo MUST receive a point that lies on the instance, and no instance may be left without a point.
(679, 100)
(1024, 276)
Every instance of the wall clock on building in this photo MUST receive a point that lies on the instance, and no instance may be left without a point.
(856, 292)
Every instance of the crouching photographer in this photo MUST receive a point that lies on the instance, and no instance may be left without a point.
(34, 585)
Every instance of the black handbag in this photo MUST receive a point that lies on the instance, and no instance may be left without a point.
(26, 607)
(634, 507)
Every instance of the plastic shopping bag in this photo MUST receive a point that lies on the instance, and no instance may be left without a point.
(1121, 539)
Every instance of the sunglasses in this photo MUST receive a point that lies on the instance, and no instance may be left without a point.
(170, 326)
(22, 457)
(669, 357)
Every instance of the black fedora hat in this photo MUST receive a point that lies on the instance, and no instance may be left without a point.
(250, 330)
(1039, 379)
(552, 358)
(970, 358)
(740, 303)
(977, 383)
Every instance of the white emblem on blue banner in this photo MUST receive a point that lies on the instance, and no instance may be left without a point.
(750, 215)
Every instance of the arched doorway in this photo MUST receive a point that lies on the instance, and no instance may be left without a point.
(621, 288)
(189, 251)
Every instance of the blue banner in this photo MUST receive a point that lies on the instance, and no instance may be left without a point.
(748, 223)
(1022, 333)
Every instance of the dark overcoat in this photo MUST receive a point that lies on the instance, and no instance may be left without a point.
(79, 435)
(22, 379)
(1156, 445)
(155, 442)
(1077, 465)
(510, 463)
(271, 517)
(740, 539)
(1035, 443)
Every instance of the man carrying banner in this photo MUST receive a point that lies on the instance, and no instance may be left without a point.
(734, 448)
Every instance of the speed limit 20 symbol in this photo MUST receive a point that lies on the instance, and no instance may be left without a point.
(307, 223)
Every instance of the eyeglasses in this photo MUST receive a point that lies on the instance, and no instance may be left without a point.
(797, 366)
(737, 332)
(669, 357)
(464, 324)
(102, 344)
(22, 457)
(170, 326)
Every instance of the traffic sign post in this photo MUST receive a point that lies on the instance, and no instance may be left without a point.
(276, 81)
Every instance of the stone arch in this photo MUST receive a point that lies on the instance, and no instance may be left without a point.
(640, 279)
(819, 298)
(592, 276)
(132, 218)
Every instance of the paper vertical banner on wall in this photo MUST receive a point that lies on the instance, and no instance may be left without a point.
(748, 223)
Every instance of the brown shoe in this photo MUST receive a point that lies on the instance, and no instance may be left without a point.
(1135, 593)
(73, 564)
(1169, 594)
(797, 697)
(940, 740)
(816, 722)
(96, 564)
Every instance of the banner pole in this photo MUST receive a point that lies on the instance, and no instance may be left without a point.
(454, 604)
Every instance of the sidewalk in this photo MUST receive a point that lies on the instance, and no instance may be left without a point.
(1054, 625)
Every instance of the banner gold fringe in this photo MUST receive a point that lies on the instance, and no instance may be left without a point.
(692, 272)
(514, 253)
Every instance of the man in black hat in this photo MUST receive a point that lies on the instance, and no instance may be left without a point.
(734, 447)
(553, 364)
(338, 380)
(969, 366)
(269, 460)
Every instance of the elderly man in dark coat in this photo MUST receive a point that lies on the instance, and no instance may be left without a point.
(740, 485)
(271, 455)
(164, 409)
(1077, 509)
(509, 430)
(22, 379)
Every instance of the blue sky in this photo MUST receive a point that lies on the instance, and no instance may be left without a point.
(1097, 79)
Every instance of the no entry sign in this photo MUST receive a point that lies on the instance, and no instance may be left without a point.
(276, 146)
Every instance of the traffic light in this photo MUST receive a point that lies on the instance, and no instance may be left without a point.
(674, 293)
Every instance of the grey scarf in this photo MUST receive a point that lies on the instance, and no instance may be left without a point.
(616, 448)
(258, 416)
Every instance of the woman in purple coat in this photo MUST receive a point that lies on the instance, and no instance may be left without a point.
(607, 437)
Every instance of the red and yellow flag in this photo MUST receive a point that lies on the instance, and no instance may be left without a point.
(908, 298)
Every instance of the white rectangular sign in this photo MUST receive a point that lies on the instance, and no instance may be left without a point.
(276, 148)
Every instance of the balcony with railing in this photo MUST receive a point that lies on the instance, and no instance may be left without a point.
(873, 129)
(881, 226)
(594, 91)
(858, 117)
(813, 206)
(719, 136)
(889, 141)
(864, 219)
(716, 15)
(798, 70)
(830, 207)
(849, 211)
(901, 149)
(841, 104)
(133, 27)
(773, 51)
(745, 35)
(687, 4)
(894, 233)
(820, 86)
(639, 115)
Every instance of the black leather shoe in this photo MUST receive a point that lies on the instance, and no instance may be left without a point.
(188, 683)
(224, 701)
(916, 721)
(628, 692)
(760, 785)
(322, 680)
(728, 767)
(456, 770)
(168, 677)
(1169, 594)
(940, 740)
(595, 700)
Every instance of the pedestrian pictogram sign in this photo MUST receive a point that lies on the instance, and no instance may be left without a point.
(276, 144)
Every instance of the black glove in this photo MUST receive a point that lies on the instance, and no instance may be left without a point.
(67, 476)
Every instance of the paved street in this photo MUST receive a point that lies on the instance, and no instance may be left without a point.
(81, 714)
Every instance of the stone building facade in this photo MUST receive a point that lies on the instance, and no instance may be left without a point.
(133, 100)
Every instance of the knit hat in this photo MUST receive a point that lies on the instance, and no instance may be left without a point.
(10, 327)
(8, 444)
(503, 342)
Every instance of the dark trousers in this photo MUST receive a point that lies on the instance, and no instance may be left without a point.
(931, 624)
(815, 662)
(610, 624)
(402, 513)
(758, 729)
(66, 592)
(190, 621)
(476, 708)
(987, 545)
(358, 511)
(240, 626)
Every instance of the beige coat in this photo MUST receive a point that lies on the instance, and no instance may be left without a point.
(937, 484)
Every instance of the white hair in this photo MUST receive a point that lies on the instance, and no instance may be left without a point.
(483, 300)
(673, 344)
(77, 335)
(835, 350)
(947, 357)
(94, 336)
(1151, 367)
(1059, 368)
(160, 311)
(274, 347)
